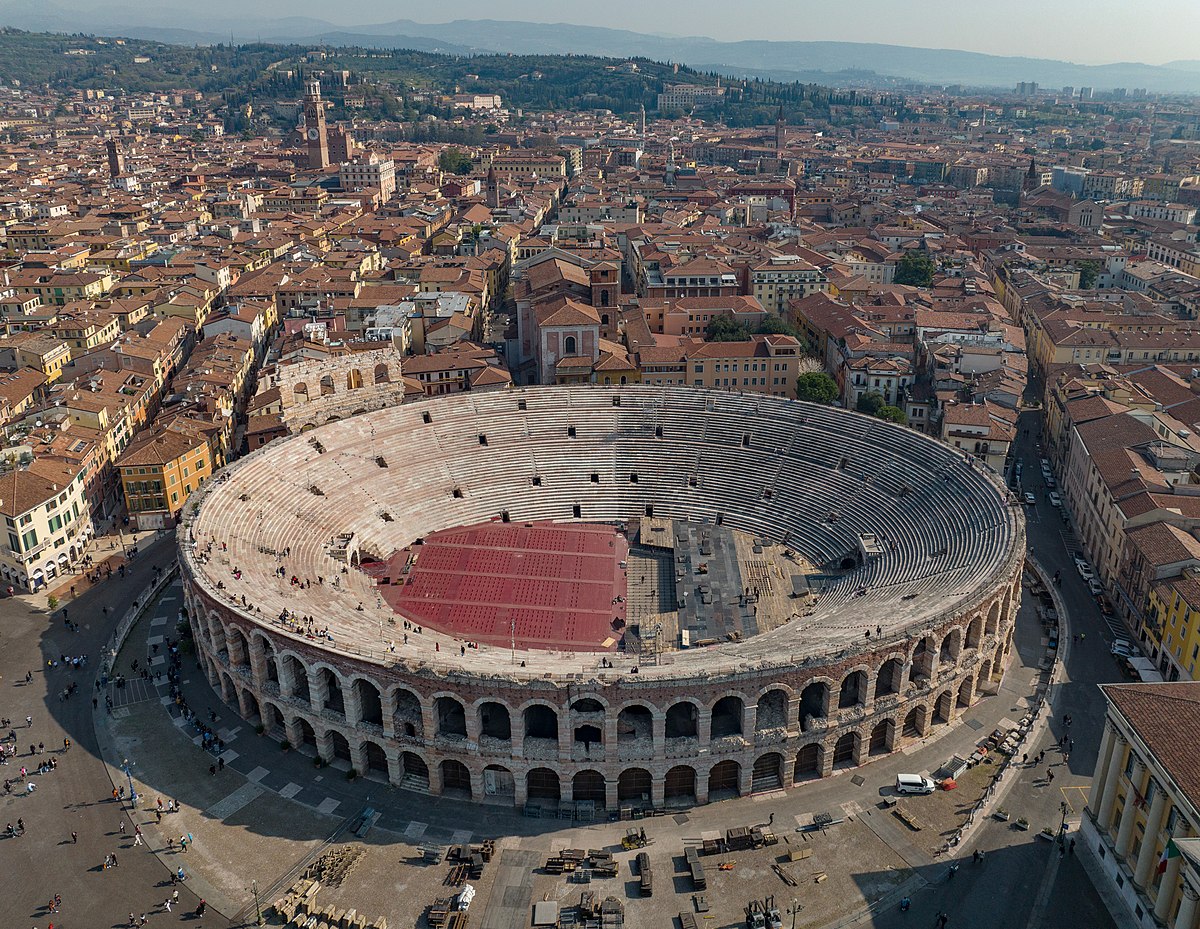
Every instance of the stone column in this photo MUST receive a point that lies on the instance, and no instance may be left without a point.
(387, 702)
(704, 726)
(787, 772)
(287, 679)
(295, 735)
(520, 790)
(395, 768)
(258, 663)
(516, 726)
(701, 787)
(1108, 743)
(749, 720)
(351, 703)
(1186, 919)
(658, 791)
(316, 692)
(324, 746)
(1145, 859)
(610, 794)
(1166, 887)
(1112, 778)
(745, 780)
(1125, 830)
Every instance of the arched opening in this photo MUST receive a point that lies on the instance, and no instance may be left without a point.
(679, 787)
(273, 720)
(570, 345)
(341, 747)
(772, 711)
(634, 784)
(985, 676)
(889, 678)
(808, 763)
(250, 709)
(451, 718)
(239, 650)
(542, 784)
(853, 691)
(300, 393)
(942, 708)
(494, 721)
(845, 750)
(335, 702)
(499, 784)
(407, 716)
(414, 773)
(975, 632)
(634, 723)
(308, 736)
(587, 736)
(682, 721)
(272, 666)
(376, 759)
(948, 652)
(966, 691)
(882, 737)
(587, 705)
(767, 773)
(727, 716)
(370, 703)
(228, 691)
(724, 780)
(381, 374)
(914, 723)
(327, 388)
(993, 619)
(541, 722)
(588, 787)
(604, 301)
(354, 379)
(456, 779)
(813, 701)
(922, 662)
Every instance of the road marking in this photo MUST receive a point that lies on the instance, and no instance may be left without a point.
(461, 837)
(415, 830)
(230, 804)
(258, 774)
(290, 790)
(328, 805)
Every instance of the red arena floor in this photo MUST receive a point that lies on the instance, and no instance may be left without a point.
(557, 585)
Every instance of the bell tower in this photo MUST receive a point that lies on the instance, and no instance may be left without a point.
(314, 126)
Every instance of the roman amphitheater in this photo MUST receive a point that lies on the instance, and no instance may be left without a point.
(581, 598)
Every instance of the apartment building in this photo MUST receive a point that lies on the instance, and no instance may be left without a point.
(49, 523)
(159, 470)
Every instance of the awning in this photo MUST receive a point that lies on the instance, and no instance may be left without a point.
(62, 558)
(37, 574)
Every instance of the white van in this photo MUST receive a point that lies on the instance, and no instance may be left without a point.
(914, 784)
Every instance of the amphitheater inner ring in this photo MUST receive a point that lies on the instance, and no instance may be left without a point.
(602, 596)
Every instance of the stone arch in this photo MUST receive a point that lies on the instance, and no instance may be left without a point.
(239, 648)
(846, 750)
(883, 737)
(414, 771)
(943, 707)
(570, 345)
(450, 716)
(589, 704)
(588, 786)
(370, 701)
(273, 719)
(634, 722)
(772, 710)
(923, 661)
(499, 783)
(993, 618)
(809, 762)
(966, 691)
(382, 375)
(683, 720)
(890, 677)
(853, 690)
(354, 379)
(331, 688)
(767, 773)
(634, 784)
(541, 721)
(985, 675)
(456, 779)
(728, 716)
(724, 780)
(950, 648)
(914, 723)
(339, 747)
(542, 784)
(228, 691)
(975, 632)
(298, 672)
(407, 718)
(300, 392)
(814, 703)
(374, 758)
(308, 735)
(494, 721)
(248, 706)
(679, 786)
(327, 387)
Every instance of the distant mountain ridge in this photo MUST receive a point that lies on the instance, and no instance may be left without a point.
(839, 62)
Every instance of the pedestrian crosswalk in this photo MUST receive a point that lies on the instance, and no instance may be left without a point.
(134, 691)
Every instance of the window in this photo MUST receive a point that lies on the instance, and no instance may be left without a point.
(569, 345)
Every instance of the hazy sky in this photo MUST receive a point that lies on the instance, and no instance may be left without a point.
(1085, 31)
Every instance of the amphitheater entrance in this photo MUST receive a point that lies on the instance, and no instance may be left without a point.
(724, 780)
(914, 723)
(451, 718)
(377, 763)
(727, 717)
(813, 701)
(767, 774)
(942, 709)
(984, 677)
(772, 711)
(494, 721)
(808, 763)
(414, 773)
(965, 690)
(634, 723)
(334, 701)
(499, 785)
(680, 786)
(853, 691)
(883, 737)
(922, 662)
(370, 704)
(634, 784)
(340, 747)
(541, 722)
(887, 681)
(456, 779)
(251, 711)
(588, 787)
(682, 721)
(542, 784)
(308, 736)
(273, 721)
(845, 750)
(299, 678)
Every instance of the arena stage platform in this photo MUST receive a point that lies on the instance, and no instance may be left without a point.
(549, 585)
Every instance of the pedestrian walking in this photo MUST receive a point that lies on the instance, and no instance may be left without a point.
(1025, 758)
(74, 838)
(1071, 847)
(174, 896)
(167, 904)
(121, 826)
(132, 920)
(137, 839)
(28, 719)
(1049, 777)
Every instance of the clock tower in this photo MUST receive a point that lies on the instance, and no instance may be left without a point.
(314, 126)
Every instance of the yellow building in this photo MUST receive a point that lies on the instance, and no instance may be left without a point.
(159, 470)
(35, 350)
(1172, 625)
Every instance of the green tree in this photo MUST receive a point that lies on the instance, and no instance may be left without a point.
(892, 414)
(1088, 272)
(816, 387)
(774, 325)
(914, 268)
(454, 161)
(870, 402)
(724, 329)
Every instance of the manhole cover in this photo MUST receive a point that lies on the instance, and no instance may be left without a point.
(975, 724)
(858, 780)
(680, 818)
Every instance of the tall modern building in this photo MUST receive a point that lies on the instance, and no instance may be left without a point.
(314, 126)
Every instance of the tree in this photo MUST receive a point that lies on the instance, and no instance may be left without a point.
(454, 161)
(915, 269)
(1088, 272)
(870, 402)
(816, 387)
(774, 325)
(724, 329)
(892, 414)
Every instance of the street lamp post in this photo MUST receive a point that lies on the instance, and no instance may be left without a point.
(258, 919)
(133, 798)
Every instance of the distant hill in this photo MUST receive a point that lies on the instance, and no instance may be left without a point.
(836, 63)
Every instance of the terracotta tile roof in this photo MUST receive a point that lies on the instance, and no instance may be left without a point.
(1167, 718)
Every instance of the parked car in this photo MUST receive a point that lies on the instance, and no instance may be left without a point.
(1050, 481)
(914, 784)
(1029, 499)
(1095, 587)
(1085, 570)
(1123, 648)
(1055, 499)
